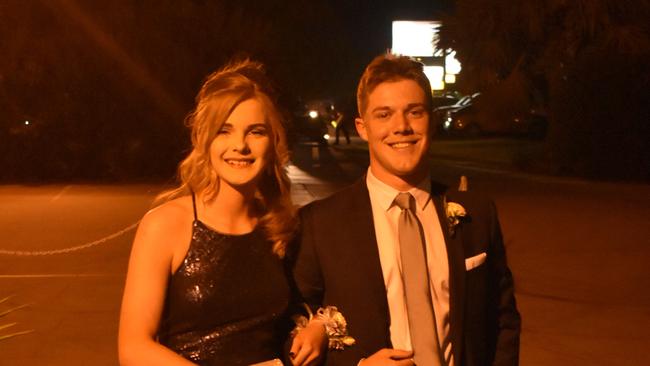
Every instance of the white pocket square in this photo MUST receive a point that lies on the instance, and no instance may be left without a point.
(475, 261)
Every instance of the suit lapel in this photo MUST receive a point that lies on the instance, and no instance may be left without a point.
(363, 244)
(456, 260)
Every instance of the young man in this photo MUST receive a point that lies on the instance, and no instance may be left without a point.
(419, 272)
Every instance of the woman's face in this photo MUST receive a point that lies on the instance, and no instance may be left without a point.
(241, 149)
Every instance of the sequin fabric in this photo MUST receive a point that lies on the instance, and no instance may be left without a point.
(227, 302)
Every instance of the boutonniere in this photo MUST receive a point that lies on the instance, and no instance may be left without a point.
(455, 212)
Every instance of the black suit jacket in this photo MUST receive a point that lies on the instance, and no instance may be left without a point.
(337, 263)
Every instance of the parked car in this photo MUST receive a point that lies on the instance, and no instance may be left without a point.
(440, 113)
(466, 100)
(462, 121)
(443, 101)
(468, 121)
(532, 124)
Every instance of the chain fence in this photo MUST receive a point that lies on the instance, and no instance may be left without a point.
(97, 242)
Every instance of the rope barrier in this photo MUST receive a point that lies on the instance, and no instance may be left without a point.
(70, 249)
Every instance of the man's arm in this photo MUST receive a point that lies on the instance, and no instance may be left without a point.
(307, 286)
(307, 270)
(504, 317)
(310, 282)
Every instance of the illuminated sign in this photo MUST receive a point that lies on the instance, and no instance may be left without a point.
(420, 39)
(413, 38)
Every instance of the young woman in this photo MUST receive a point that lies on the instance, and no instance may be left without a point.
(206, 282)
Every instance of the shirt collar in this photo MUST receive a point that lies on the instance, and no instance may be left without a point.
(384, 195)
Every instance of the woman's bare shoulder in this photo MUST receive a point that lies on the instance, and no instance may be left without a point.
(170, 216)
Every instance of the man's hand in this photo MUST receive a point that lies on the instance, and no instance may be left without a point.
(309, 345)
(389, 357)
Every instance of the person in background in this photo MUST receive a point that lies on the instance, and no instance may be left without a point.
(342, 121)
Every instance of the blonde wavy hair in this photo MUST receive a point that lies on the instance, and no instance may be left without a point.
(220, 94)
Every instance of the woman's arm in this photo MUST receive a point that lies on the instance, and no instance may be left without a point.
(156, 240)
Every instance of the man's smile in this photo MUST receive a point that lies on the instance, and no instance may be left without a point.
(402, 144)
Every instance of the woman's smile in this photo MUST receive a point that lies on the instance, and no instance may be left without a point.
(239, 162)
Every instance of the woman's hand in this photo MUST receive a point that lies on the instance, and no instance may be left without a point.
(309, 345)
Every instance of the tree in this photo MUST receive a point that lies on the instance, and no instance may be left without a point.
(113, 80)
(585, 61)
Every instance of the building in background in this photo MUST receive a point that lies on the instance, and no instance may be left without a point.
(419, 39)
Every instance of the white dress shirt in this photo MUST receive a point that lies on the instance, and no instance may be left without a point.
(385, 216)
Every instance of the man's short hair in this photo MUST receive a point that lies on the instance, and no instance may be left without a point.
(391, 67)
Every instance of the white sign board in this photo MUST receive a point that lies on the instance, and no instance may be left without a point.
(415, 38)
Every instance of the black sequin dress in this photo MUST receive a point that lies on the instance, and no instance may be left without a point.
(227, 304)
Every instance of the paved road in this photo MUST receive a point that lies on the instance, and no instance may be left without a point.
(578, 251)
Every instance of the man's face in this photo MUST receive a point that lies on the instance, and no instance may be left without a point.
(396, 126)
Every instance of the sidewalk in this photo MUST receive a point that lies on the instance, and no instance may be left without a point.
(72, 299)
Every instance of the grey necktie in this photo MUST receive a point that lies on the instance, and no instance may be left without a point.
(422, 322)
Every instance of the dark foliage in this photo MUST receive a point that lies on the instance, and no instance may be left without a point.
(585, 62)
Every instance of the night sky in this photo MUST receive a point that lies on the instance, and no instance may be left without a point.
(313, 48)
(364, 32)
(106, 84)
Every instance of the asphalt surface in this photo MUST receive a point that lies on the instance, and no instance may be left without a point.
(578, 251)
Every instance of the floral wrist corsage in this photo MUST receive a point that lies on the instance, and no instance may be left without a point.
(335, 326)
